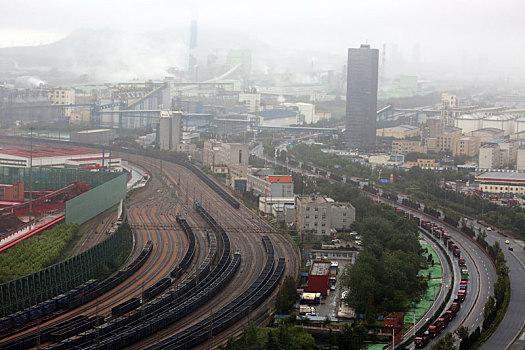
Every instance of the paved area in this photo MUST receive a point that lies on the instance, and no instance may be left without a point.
(330, 304)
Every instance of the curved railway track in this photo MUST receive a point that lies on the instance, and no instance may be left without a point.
(158, 265)
(170, 193)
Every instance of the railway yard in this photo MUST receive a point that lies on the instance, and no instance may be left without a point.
(152, 214)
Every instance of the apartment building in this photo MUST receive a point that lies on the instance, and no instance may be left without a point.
(319, 215)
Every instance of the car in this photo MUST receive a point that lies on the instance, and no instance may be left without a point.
(507, 241)
(489, 229)
(511, 249)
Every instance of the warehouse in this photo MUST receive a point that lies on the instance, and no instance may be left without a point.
(318, 277)
(502, 182)
(57, 157)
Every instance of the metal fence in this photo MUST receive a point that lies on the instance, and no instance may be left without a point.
(93, 202)
(96, 262)
(53, 178)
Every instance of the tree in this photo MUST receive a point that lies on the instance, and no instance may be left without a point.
(445, 343)
(287, 296)
(462, 332)
(272, 343)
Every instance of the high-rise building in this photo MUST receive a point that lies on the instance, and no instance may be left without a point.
(169, 130)
(361, 97)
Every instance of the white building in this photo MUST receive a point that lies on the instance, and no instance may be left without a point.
(320, 216)
(489, 156)
(252, 101)
(520, 164)
(306, 113)
(271, 185)
(277, 117)
(170, 130)
(62, 97)
(218, 153)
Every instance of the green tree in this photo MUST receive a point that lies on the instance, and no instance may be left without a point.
(445, 343)
(462, 332)
(287, 296)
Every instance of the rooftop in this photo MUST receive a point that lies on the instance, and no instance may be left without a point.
(92, 131)
(280, 178)
(489, 130)
(405, 127)
(276, 113)
(47, 152)
(320, 268)
(312, 199)
(501, 177)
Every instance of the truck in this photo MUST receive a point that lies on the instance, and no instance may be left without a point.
(455, 307)
(306, 310)
(463, 285)
(443, 319)
(446, 238)
(457, 252)
(461, 262)
(462, 294)
(422, 341)
(436, 328)
(464, 274)
(447, 317)
(449, 244)
(332, 282)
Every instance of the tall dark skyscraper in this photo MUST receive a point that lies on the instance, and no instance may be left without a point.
(361, 98)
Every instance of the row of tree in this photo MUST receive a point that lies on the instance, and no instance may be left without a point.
(36, 253)
(285, 337)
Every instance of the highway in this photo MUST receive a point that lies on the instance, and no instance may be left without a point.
(482, 275)
(512, 324)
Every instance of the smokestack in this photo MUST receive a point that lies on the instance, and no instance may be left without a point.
(192, 61)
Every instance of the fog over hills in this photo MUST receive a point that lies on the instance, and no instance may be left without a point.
(110, 55)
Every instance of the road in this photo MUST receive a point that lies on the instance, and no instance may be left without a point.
(514, 319)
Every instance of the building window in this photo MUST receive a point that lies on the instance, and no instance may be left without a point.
(316, 209)
(316, 217)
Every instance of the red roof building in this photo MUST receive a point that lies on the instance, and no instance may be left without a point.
(54, 157)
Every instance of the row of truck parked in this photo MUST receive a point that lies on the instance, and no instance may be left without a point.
(443, 236)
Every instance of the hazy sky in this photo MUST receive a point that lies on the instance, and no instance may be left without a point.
(486, 34)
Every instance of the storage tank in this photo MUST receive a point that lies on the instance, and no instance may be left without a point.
(520, 124)
(504, 122)
(469, 122)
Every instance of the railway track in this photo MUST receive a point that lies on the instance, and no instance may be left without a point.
(156, 267)
(153, 211)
